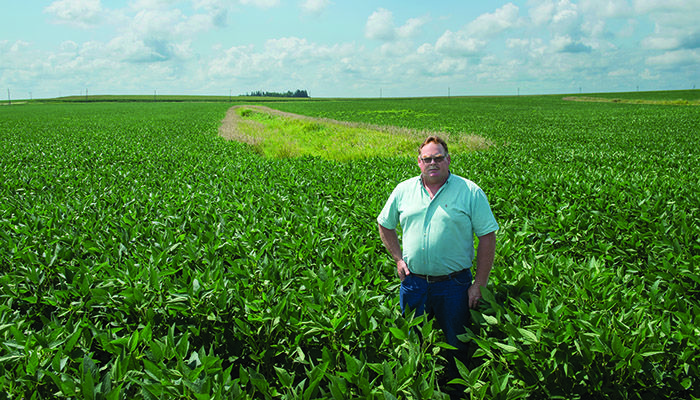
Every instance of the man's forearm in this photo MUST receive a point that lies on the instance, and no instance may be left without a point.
(391, 242)
(485, 253)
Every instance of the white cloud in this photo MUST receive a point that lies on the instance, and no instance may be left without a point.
(472, 39)
(491, 24)
(80, 13)
(566, 44)
(458, 44)
(672, 6)
(660, 43)
(675, 58)
(566, 18)
(607, 8)
(531, 48)
(647, 74)
(380, 26)
(261, 3)
(412, 27)
(622, 72)
(154, 32)
(315, 6)
(559, 16)
(541, 13)
(285, 61)
(517, 43)
(675, 42)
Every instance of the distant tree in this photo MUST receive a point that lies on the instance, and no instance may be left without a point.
(297, 93)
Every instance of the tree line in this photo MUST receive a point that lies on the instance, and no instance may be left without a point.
(289, 93)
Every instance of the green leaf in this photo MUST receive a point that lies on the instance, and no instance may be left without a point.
(285, 379)
(529, 336)
(491, 320)
(506, 347)
(183, 345)
(337, 387)
(398, 333)
(32, 363)
(156, 348)
(133, 341)
(388, 378)
(72, 340)
(388, 395)
(88, 383)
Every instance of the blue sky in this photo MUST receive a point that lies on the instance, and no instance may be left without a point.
(358, 48)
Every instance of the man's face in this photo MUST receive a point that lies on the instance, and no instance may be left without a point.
(432, 170)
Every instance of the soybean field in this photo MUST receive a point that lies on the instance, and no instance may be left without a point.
(144, 256)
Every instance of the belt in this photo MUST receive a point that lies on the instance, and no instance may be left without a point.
(438, 278)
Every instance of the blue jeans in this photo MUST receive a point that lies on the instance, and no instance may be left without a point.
(448, 302)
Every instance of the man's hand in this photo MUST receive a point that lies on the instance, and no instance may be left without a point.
(402, 269)
(474, 295)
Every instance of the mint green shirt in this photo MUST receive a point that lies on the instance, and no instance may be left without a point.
(438, 234)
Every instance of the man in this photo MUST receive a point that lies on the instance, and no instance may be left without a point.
(440, 213)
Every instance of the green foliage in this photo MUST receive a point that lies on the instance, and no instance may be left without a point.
(285, 137)
(142, 256)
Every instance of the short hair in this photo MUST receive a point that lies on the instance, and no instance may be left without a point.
(433, 139)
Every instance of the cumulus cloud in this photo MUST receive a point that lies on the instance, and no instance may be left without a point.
(559, 16)
(459, 44)
(671, 6)
(288, 53)
(622, 72)
(314, 6)
(474, 37)
(135, 49)
(491, 24)
(261, 3)
(675, 58)
(412, 27)
(151, 31)
(380, 26)
(607, 8)
(565, 44)
(675, 24)
(80, 13)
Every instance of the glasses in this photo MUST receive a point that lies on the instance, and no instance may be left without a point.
(428, 160)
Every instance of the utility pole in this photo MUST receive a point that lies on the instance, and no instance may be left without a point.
(9, 100)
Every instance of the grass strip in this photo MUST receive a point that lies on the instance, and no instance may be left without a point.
(276, 134)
